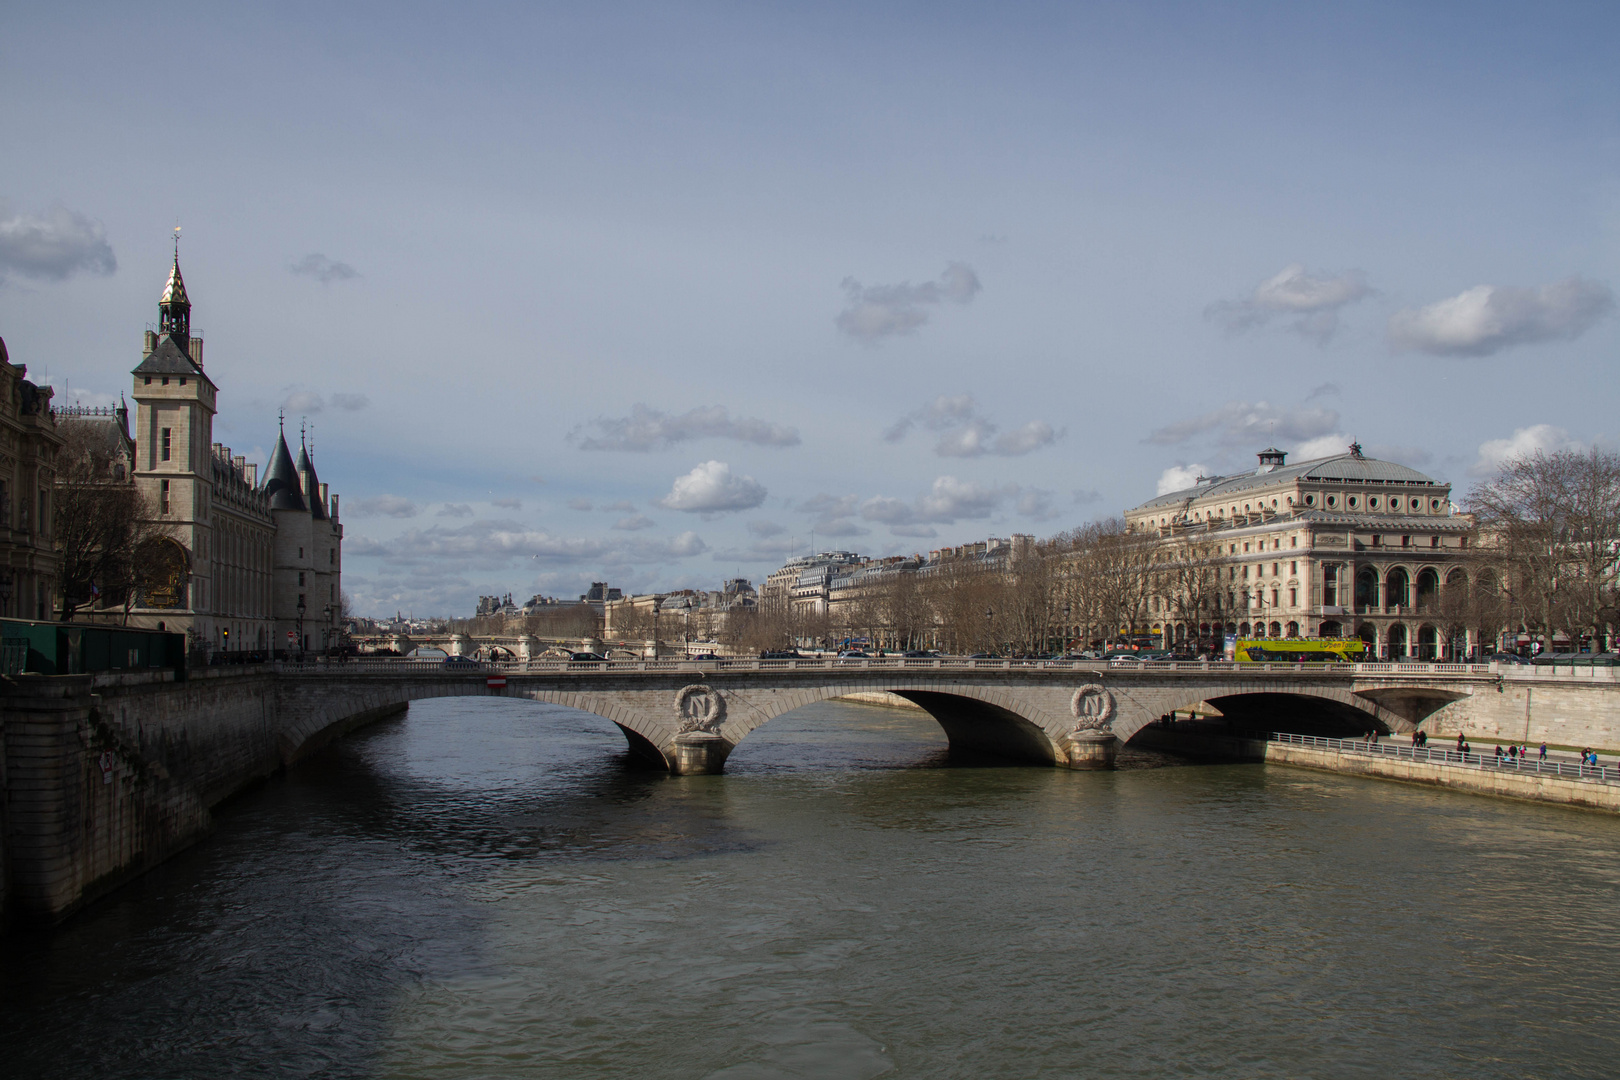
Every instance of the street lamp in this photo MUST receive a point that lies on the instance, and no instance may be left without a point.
(989, 616)
(300, 641)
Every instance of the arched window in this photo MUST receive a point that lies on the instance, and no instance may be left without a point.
(1397, 641)
(1428, 588)
(1397, 589)
(1366, 588)
(1292, 629)
(1276, 629)
(1428, 642)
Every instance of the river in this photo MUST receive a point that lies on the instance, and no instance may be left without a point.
(482, 889)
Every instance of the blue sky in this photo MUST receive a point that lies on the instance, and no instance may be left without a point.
(651, 293)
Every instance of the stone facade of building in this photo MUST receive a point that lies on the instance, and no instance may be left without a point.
(1341, 546)
(28, 447)
(242, 565)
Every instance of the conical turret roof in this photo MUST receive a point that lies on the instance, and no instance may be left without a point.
(312, 484)
(174, 290)
(281, 479)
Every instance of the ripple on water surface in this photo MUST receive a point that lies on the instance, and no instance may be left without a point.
(483, 888)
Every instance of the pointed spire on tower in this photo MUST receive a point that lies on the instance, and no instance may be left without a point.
(174, 306)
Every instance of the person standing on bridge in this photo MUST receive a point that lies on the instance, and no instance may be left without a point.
(1543, 751)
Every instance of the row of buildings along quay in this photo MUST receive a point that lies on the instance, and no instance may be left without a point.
(1344, 546)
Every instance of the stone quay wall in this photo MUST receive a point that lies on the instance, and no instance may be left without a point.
(1528, 709)
(106, 776)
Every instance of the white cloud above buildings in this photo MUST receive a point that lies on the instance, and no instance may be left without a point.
(1180, 478)
(394, 506)
(1524, 442)
(966, 433)
(874, 312)
(1250, 424)
(947, 501)
(647, 429)
(53, 246)
(1309, 304)
(712, 488)
(322, 269)
(1486, 319)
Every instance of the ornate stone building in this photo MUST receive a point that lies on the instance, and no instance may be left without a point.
(240, 566)
(28, 447)
(1341, 546)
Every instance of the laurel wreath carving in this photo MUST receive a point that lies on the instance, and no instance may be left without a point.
(700, 707)
(1093, 708)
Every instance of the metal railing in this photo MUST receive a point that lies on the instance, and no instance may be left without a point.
(1440, 755)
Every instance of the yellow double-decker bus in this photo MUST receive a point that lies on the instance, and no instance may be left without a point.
(1299, 650)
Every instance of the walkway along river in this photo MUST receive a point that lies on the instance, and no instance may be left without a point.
(480, 888)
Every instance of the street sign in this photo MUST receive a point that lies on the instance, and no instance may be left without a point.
(291, 636)
(496, 682)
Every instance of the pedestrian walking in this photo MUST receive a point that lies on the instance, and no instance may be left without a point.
(1543, 751)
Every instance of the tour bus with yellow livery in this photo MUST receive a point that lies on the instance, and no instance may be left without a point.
(1299, 650)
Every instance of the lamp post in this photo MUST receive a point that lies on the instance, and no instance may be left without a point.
(1067, 628)
(326, 628)
(989, 619)
(300, 641)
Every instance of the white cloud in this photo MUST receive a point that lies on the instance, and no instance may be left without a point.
(395, 506)
(1180, 478)
(946, 502)
(1489, 318)
(648, 429)
(456, 510)
(494, 545)
(1036, 504)
(1244, 423)
(322, 269)
(1524, 442)
(873, 312)
(507, 504)
(303, 403)
(712, 488)
(53, 246)
(1322, 446)
(1310, 303)
(835, 514)
(634, 524)
(965, 433)
(580, 504)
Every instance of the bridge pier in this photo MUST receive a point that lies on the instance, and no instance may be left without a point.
(1093, 750)
(700, 752)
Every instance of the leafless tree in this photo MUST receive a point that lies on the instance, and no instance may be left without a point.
(101, 524)
(1553, 520)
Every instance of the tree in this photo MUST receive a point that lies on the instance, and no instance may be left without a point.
(1553, 521)
(102, 522)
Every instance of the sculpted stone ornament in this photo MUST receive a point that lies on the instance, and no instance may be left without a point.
(700, 708)
(1093, 708)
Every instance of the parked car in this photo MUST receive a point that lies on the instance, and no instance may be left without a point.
(854, 654)
(1505, 658)
(780, 654)
(703, 656)
(920, 654)
(461, 663)
(983, 656)
(587, 658)
(1576, 660)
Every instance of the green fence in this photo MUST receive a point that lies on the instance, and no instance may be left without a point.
(50, 648)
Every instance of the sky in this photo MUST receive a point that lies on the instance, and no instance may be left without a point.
(664, 294)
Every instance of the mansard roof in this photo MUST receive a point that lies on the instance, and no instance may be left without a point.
(169, 358)
(1339, 468)
(281, 479)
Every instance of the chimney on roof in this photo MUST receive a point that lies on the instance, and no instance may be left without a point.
(1271, 458)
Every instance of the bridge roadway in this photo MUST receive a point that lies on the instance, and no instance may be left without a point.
(687, 716)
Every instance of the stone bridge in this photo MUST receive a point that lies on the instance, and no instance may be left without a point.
(687, 716)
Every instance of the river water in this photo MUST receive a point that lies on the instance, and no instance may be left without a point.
(482, 889)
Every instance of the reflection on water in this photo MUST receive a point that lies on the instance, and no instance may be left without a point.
(483, 889)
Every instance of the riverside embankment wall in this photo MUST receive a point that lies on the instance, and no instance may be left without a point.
(105, 776)
(1566, 710)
